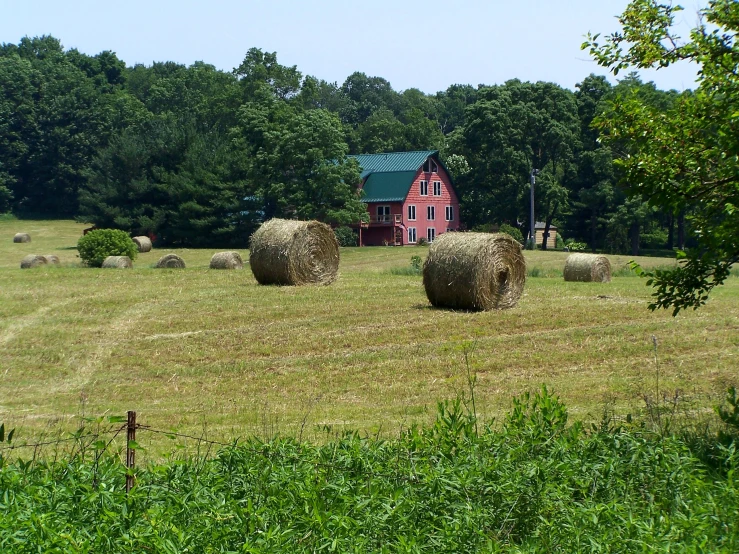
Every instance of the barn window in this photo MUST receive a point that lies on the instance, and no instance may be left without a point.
(430, 234)
(450, 213)
(437, 188)
(424, 188)
(411, 235)
(430, 213)
(411, 213)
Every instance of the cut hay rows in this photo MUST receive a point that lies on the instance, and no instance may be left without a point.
(474, 271)
(226, 260)
(170, 261)
(587, 267)
(117, 262)
(33, 260)
(143, 243)
(22, 237)
(284, 252)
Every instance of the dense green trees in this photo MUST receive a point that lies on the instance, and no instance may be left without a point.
(197, 156)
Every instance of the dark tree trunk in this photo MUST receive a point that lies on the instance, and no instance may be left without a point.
(593, 230)
(671, 232)
(681, 230)
(634, 234)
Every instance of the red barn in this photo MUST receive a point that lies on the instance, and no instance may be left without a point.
(409, 196)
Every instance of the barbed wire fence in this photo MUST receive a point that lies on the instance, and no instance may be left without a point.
(100, 441)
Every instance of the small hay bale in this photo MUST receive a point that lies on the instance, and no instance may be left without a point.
(52, 259)
(226, 260)
(117, 262)
(22, 237)
(587, 267)
(171, 260)
(143, 243)
(286, 252)
(33, 260)
(474, 271)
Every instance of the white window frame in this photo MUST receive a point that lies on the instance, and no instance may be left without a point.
(430, 234)
(437, 188)
(431, 213)
(385, 213)
(424, 188)
(449, 213)
(412, 235)
(411, 212)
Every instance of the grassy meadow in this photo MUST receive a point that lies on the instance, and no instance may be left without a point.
(211, 352)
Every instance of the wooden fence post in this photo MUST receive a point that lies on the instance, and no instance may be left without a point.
(130, 452)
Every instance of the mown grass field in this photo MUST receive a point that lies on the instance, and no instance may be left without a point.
(212, 352)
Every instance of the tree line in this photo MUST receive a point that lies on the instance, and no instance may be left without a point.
(198, 156)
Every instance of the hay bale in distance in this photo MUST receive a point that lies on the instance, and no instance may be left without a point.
(33, 260)
(52, 259)
(22, 237)
(172, 261)
(143, 243)
(286, 252)
(474, 271)
(117, 262)
(587, 267)
(226, 260)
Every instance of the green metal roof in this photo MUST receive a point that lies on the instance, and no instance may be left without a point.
(388, 177)
(388, 187)
(392, 161)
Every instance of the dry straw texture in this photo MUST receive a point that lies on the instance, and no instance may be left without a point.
(474, 271)
(171, 260)
(52, 259)
(118, 262)
(143, 243)
(226, 260)
(22, 237)
(587, 267)
(285, 252)
(33, 260)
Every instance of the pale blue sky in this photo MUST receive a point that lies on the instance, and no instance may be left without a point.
(426, 44)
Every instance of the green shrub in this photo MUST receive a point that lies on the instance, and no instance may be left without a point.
(422, 242)
(512, 231)
(97, 245)
(575, 246)
(345, 236)
(559, 242)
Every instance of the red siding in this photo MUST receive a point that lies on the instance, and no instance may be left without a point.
(448, 198)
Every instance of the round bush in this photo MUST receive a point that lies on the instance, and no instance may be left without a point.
(97, 245)
(512, 231)
(345, 236)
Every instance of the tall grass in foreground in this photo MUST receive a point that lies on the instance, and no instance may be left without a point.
(535, 485)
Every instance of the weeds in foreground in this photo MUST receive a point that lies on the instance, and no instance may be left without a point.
(536, 484)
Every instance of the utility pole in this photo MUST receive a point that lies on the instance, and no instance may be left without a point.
(532, 230)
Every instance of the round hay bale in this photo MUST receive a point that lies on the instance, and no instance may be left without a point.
(117, 262)
(226, 260)
(143, 243)
(285, 252)
(52, 259)
(22, 237)
(587, 267)
(171, 260)
(474, 271)
(33, 260)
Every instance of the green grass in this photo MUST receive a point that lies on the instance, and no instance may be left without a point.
(211, 351)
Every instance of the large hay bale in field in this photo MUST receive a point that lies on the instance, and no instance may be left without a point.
(226, 260)
(22, 237)
(587, 267)
(171, 261)
(117, 262)
(284, 252)
(143, 243)
(52, 259)
(33, 260)
(474, 271)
